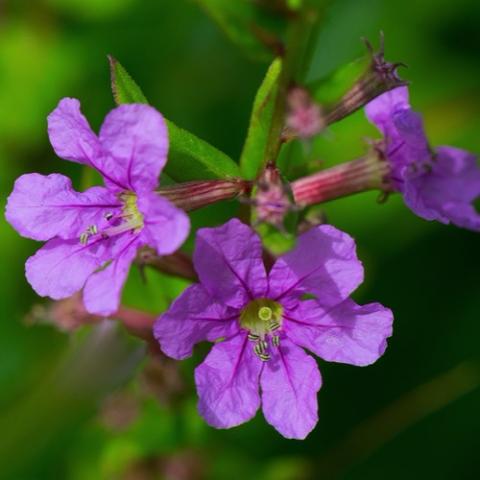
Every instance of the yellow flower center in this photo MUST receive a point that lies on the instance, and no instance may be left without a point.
(262, 318)
(130, 212)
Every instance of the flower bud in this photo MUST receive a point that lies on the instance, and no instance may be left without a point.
(272, 198)
(66, 315)
(380, 77)
(178, 264)
(304, 116)
(197, 194)
(366, 173)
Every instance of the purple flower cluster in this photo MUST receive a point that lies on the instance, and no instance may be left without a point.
(259, 321)
(436, 184)
(93, 236)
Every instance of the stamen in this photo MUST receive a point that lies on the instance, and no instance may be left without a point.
(91, 230)
(262, 317)
(130, 219)
(273, 325)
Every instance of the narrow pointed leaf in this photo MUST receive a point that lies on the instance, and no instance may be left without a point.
(190, 158)
(124, 88)
(254, 149)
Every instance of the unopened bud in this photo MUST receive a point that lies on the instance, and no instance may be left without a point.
(178, 264)
(380, 77)
(197, 194)
(67, 315)
(272, 198)
(367, 173)
(304, 116)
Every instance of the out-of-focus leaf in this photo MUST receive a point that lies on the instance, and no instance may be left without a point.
(294, 4)
(246, 24)
(331, 88)
(260, 120)
(91, 9)
(190, 158)
(338, 38)
(26, 93)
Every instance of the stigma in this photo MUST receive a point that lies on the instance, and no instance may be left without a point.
(262, 318)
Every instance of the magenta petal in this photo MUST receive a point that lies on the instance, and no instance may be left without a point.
(228, 260)
(406, 142)
(103, 289)
(446, 190)
(71, 135)
(227, 383)
(379, 110)
(166, 226)
(134, 139)
(61, 267)
(42, 207)
(193, 317)
(346, 333)
(324, 263)
(290, 382)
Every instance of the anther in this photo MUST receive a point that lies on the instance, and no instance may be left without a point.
(91, 230)
(274, 325)
(260, 347)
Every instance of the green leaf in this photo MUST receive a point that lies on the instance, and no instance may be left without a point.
(124, 87)
(254, 149)
(330, 89)
(250, 26)
(189, 158)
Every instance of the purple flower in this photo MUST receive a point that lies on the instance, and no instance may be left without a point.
(436, 185)
(93, 236)
(260, 321)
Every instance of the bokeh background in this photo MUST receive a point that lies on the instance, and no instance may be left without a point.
(89, 405)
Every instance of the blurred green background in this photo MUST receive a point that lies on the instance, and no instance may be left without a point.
(89, 406)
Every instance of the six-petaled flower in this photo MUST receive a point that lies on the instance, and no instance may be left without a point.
(262, 320)
(438, 184)
(93, 236)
